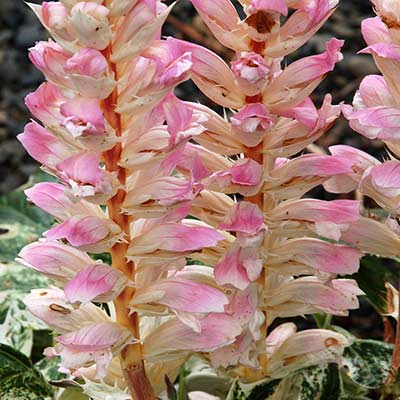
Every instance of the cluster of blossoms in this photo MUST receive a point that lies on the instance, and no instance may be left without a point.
(376, 115)
(210, 237)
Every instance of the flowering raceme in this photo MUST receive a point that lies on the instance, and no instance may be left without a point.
(375, 115)
(134, 162)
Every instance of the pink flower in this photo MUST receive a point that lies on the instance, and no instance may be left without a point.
(181, 295)
(172, 237)
(251, 72)
(43, 146)
(56, 260)
(92, 344)
(53, 198)
(86, 179)
(239, 267)
(97, 282)
(251, 123)
(139, 28)
(51, 306)
(87, 232)
(45, 103)
(244, 177)
(244, 217)
(55, 17)
(291, 351)
(315, 253)
(50, 58)
(300, 78)
(83, 117)
(88, 62)
(173, 337)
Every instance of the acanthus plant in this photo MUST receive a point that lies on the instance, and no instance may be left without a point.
(160, 182)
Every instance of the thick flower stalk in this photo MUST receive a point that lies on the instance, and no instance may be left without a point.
(276, 260)
(134, 162)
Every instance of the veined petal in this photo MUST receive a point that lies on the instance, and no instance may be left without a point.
(182, 295)
(52, 198)
(239, 267)
(98, 282)
(217, 330)
(324, 256)
(244, 217)
(87, 232)
(306, 348)
(51, 306)
(54, 259)
(95, 337)
(43, 146)
(175, 238)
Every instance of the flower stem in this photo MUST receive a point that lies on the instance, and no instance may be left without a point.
(131, 356)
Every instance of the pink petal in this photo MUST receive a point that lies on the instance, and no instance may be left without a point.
(94, 337)
(324, 256)
(94, 281)
(184, 295)
(238, 267)
(52, 198)
(54, 259)
(175, 237)
(246, 172)
(338, 211)
(217, 330)
(88, 62)
(386, 178)
(80, 230)
(44, 103)
(244, 217)
(83, 117)
(42, 145)
(374, 92)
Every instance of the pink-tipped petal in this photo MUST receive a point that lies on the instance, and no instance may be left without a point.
(97, 281)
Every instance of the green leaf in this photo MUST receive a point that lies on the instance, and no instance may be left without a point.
(374, 272)
(201, 377)
(16, 279)
(314, 383)
(73, 394)
(351, 390)
(21, 223)
(18, 379)
(49, 369)
(17, 325)
(15, 330)
(368, 362)
(261, 390)
(320, 383)
(104, 257)
(102, 391)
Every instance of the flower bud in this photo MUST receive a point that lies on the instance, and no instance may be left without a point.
(56, 18)
(251, 71)
(251, 123)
